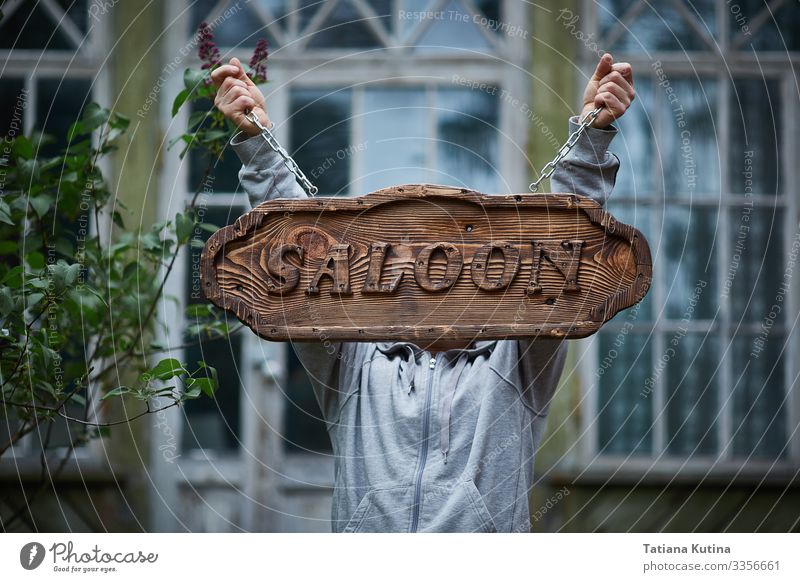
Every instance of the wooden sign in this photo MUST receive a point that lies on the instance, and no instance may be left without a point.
(425, 262)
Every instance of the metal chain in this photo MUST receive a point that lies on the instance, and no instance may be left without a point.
(550, 167)
(287, 159)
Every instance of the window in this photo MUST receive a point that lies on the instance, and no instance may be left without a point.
(364, 97)
(56, 35)
(701, 369)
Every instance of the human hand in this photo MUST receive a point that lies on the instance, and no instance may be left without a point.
(611, 87)
(237, 94)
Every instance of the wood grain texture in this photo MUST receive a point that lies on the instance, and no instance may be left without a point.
(427, 262)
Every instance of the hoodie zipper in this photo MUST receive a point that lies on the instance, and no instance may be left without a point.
(424, 453)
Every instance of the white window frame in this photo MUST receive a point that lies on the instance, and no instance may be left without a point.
(584, 460)
(88, 61)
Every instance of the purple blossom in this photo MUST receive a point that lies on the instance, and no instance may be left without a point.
(206, 47)
(258, 62)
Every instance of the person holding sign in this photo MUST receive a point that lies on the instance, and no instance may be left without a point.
(441, 436)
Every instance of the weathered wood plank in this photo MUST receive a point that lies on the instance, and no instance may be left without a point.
(425, 262)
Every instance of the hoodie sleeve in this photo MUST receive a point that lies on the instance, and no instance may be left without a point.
(589, 169)
(264, 176)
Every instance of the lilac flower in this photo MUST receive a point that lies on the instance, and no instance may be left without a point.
(258, 62)
(206, 47)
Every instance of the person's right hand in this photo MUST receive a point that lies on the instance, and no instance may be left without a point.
(237, 94)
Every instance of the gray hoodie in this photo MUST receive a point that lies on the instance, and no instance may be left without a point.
(434, 442)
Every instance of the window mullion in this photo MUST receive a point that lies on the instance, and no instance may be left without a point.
(789, 152)
(659, 399)
(433, 134)
(726, 381)
(357, 165)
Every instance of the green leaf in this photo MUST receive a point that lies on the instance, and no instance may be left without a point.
(196, 118)
(6, 301)
(214, 135)
(116, 217)
(71, 274)
(29, 170)
(151, 242)
(14, 277)
(184, 225)
(93, 117)
(207, 385)
(208, 227)
(119, 391)
(22, 148)
(198, 310)
(192, 393)
(168, 368)
(41, 204)
(78, 398)
(5, 217)
(64, 274)
(180, 99)
(35, 260)
(32, 298)
(193, 79)
(119, 124)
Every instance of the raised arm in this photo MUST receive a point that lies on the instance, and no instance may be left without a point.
(264, 176)
(590, 169)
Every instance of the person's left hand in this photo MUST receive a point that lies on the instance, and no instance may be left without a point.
(611, 87)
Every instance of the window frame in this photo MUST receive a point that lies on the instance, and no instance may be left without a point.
(586, 460)
(86, 62)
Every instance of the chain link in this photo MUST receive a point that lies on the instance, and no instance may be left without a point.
(287, 159)
(550, 167)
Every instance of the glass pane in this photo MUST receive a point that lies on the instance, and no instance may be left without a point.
(756, 128)
(452, 28)
(240, 24)
(759, 397)
(689, 365)
(467, 139)
(609, 14)
(345, 27)
(320, 137)
(9, 425)
(305, 429)
(778, 33)
(77, 11)
(634, 146)
(223, 171)
(396, 139)
(689, 149)
(689, 266)
(13, 103)
(659, 26)
(624, 399)
(757, 266)
(212, 423)
(306, 9)
(490, 9)
(29, 26)
(59, 104)
(408, 12)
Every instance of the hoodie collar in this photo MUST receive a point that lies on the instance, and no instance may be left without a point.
(478, 347)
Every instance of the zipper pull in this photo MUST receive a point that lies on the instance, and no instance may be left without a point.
(432, 364)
